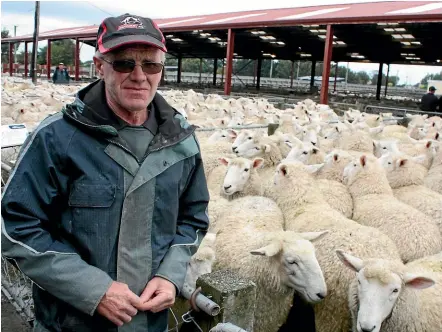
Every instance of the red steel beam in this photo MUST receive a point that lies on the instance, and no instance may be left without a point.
(48, 59)
(327, 62)
(26, 59)
(77, 59)
(229, 66)
(11, 59)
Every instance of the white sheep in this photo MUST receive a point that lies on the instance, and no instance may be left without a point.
(433, 180)
(406, 178)
(388, 295)
(201, 262)
(374, 204)
(304, 210)
(251, 241)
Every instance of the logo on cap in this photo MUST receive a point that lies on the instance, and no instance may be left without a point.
(131, 22)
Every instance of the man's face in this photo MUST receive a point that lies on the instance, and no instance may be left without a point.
(60, 67)
(135, 90)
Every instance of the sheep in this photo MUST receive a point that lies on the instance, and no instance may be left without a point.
(251, 241)
(374, 204)
(201, 262)
(406, 178)
(355, 140)
(395, 297)
(297, 196)
(237, 177)
(307, 154)
(433, 180)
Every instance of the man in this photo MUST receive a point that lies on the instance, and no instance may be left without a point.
(429, 100)
(61, 75)
(108, 200)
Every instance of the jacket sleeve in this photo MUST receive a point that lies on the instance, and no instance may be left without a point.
(193, 223)
(31, 208)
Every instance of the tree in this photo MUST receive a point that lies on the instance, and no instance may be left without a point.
(427, 77)
(393, 80)
(61, 51)
(20, 57)
(5, 47)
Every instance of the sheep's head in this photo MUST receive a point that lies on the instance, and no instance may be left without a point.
(238, 173)
(356, 167)
(385, 146)
(251, 148)
(379, 285)
(245, 136)
(305, 154)
(403, 170)
(294, 255)
(310, 134)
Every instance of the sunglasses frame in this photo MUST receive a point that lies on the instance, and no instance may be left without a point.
(134, 65)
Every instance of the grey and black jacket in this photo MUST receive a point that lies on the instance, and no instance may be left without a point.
(79, 211)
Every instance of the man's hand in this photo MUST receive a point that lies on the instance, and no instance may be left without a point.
(119, 304)
(158, 295)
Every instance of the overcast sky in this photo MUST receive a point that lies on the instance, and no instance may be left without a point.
(65, 14)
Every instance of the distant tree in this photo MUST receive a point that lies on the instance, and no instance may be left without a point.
(5, 47)
(61, 51)
(20, 57)
(393, 80)
(427, 77)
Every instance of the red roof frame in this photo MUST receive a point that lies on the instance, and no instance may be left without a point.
(373, 12)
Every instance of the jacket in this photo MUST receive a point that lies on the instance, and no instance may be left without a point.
(60, 76)
(429, 102)
(79, 211)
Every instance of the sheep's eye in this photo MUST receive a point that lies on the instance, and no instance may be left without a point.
(355, 165)
(257, 148)
(384, 148)
(223, 135)
(395, 290)
(246, 169)
(359, 282)
(293, 262)
(389, 163)
(250, 138)
(305, 152)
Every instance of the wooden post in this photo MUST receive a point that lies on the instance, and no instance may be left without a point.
(327, 61)
(35, 42)
(48, 59)
(229, 67)
(77, 59)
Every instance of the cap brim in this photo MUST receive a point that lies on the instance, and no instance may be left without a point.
(127, 40)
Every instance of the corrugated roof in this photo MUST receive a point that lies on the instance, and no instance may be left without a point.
(329, 14)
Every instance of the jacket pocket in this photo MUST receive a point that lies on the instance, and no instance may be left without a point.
(92, 195)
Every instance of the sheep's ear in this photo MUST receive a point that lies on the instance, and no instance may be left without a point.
(420, 159)
(270, 250)
(352, 262)
(363, 160)
(315, 150)
(428, 144)
(224, 161)
(267, 148)
(225, 111)
(425, 116)
(417, 282)
(223, 122)
(258, 162)
(402, 162)
(283, 169)
(335, 157)
(232, 133)
(313, 236)
(436, 137)
(313, 168)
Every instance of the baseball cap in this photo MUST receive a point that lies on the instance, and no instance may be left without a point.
(128, 29)
(432, 88)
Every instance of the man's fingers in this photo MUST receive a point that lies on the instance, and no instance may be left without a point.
(115, 320)
(131, 311)
(148, 292)
(125, 317)
(158, 302)
(134, 299)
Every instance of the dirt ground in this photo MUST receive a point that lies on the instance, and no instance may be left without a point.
(11, 321)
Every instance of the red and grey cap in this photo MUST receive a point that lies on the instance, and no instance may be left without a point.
(129, 29)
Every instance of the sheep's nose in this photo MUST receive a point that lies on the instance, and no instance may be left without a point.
(368, 330)
(227, 187)
(314, 143)
(234, 148)
(321, 295)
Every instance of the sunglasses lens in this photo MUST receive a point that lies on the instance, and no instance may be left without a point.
(152, 67)
(124, 66)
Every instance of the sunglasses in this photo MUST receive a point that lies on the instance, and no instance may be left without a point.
(127, 66)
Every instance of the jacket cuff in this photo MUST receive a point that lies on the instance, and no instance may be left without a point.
(174, 265)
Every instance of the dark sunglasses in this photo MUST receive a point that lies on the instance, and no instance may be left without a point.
(127, 66)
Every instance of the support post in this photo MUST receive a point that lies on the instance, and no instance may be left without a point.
(258, 73)
(215, 69)
(26, 59)
(229, 66)
(379, 83)
(312, 75)
(386, 81)
(292, 73)
(77, 59)
(327, 61)
(48, 59)
(180, 62)
(11, 60)
(222, 71)
(336, 76)
(35, 42)
(255, 68)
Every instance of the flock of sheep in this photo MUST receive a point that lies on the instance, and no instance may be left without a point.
(344, 210)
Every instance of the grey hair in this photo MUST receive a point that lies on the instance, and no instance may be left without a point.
(99, 55)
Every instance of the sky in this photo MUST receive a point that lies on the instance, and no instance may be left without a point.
(66, 14)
